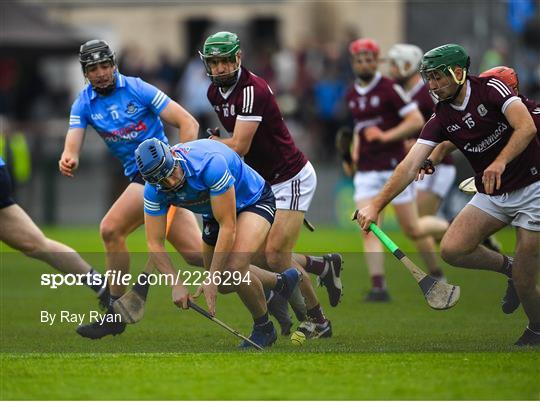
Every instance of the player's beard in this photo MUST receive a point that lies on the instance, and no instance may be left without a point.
(366, 77)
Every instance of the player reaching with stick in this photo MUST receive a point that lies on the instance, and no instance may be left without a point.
(247, 109)
(383, 118)
(486, 121)
(125, 111)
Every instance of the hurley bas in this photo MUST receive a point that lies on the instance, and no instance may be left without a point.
(47, 317)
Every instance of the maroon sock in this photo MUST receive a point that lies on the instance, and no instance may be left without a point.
(315, 265)
(377, 281)
(316, 314)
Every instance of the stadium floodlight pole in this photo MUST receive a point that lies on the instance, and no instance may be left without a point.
(439, 295)
(205, 313)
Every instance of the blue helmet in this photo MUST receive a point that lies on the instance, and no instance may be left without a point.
(154, 160)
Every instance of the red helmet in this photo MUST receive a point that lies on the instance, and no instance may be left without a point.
(505, 74)
(364, 45)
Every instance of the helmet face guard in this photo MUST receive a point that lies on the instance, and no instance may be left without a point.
(223, 47)
(96, 52)
(442, 62)
(443, 76)
(156, 163)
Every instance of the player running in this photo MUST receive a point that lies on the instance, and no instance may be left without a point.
(404, 69)
(247, 109)
(486, 121)
(125, 111)
(238, 209)
(383, 117)
(20, 232)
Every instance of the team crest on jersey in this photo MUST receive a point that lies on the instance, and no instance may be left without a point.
(374, 101)
(131, 108)
(482, 111)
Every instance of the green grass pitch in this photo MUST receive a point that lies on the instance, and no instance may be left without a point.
(398, 350)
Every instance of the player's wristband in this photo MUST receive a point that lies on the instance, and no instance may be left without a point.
(427, 165)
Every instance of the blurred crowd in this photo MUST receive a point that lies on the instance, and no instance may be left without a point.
(309, 85)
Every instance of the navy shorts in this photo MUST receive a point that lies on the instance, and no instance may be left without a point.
(137, 178)
(265, 207)
(6, 191)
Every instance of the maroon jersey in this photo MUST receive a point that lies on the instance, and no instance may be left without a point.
(534, 110)
(420, 94)
(273, 153)
(383, 104)
(480, 130)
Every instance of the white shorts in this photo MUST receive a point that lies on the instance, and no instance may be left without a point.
(519, 208)
(368, 185)
(439, 182)
(296, 193)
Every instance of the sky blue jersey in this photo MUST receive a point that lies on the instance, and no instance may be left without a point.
(211, 168)
(2, 163)
(124, 119)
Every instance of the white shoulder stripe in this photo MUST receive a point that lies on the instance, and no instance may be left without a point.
(159, 99)
(497, 88)
(503, 90)
(222, 182)
(501, 84)
(247, 104)
(146, 201)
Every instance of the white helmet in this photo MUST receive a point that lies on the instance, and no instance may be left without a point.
(403, 54)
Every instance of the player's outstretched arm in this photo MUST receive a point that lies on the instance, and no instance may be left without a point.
(403, 175)
(224, 211)
(69, 160)
(177, 116)
(156, 227)
(521, 121)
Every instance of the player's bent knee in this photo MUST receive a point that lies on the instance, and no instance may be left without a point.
(225, 289)
(193, 258)
(110, 232)
(412, 232)
(450, 253)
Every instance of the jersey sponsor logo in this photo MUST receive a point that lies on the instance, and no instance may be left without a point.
(536, 110)
(487, 143)
(96, 116)
(534, 171)
(481, 109)
(125, 133)
(131, 108)
(533, 222)
(453, 128)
